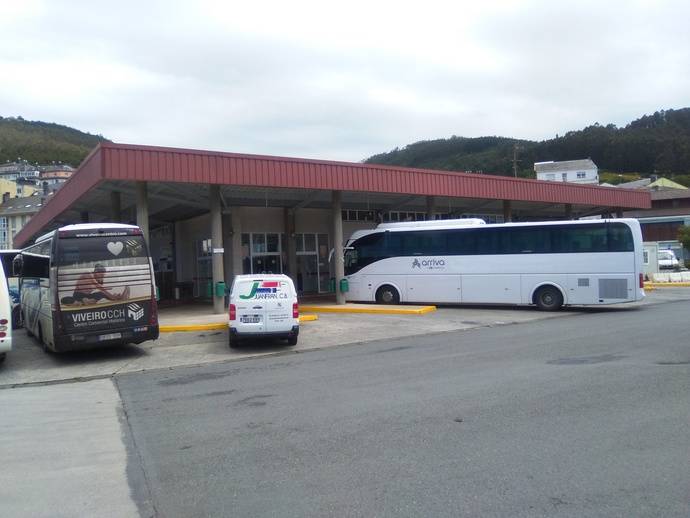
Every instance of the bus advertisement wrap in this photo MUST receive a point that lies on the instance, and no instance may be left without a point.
(106, 285)
(88, 285)
(115, 316)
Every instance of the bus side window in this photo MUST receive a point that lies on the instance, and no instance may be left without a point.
(620, 238)
(461, 242)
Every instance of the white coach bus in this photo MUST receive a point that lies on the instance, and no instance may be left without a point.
(549, 264)
(88, 285)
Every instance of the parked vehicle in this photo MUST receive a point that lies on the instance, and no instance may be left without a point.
(88, 285)
(7, 257)
(5, 317)
(548, 264)
(668, 260)
(263, 306)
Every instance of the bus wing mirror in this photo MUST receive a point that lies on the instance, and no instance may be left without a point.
(17, 264)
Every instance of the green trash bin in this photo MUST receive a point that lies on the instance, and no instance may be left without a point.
(220, 289)
(344, 286)
(331, 285)
(209, 289)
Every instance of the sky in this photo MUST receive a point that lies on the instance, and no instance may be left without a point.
(339, 80)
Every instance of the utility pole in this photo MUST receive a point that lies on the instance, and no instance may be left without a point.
(515, 159)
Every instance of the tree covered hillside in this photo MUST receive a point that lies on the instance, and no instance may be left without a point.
(658, 143)
(43, 142)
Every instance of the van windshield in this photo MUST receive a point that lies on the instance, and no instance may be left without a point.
(669, 256)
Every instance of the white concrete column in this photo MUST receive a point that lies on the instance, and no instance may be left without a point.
(217, 246)
(143, 210)
(115, 206)
(339, 260)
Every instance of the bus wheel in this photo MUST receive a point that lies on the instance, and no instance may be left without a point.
(387, 295)
(16, 318)
(44, 346)
(28, 328)
(548, 298)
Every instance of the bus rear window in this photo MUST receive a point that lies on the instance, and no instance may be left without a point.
(110, 251)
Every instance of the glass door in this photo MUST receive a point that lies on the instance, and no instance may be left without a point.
(262, 253)
(313, 270)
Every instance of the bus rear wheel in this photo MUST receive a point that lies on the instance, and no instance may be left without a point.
(387, 295)
(42, 342)
(548, 298)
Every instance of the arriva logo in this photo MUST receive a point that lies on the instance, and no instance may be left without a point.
(431, 264)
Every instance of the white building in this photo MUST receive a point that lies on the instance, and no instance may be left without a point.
(573, 171)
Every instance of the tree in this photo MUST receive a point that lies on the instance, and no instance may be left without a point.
(684, 236)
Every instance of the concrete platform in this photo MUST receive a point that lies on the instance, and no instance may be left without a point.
(200, 317)
(370, 309)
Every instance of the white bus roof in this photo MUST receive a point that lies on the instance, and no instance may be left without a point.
(86, 226)
(449, 224)
(434, 223)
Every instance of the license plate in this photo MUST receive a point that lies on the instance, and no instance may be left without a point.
(250, 319)
(111, 336)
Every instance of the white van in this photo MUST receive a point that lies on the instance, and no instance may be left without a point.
(5, 317)
(263, 306)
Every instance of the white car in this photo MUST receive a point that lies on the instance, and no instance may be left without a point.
(668, 260)
(263, 306)
(5, 317)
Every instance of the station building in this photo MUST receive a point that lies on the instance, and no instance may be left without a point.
(209, 216)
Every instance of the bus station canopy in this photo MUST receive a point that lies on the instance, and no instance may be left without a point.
(178, 179)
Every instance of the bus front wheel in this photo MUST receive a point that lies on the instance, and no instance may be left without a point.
(387, 295)
(548, 298)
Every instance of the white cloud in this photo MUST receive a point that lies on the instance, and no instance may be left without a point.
(339, 81)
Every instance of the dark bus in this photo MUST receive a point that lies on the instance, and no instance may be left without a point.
(86, 286)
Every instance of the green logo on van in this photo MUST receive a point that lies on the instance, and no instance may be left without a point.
(252, 292)
(265, 289)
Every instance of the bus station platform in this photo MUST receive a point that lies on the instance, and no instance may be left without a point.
(200, 317)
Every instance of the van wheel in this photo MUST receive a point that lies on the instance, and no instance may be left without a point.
(2, 357)
(548, 298)
(387, 294)
(292, 340)
(232, 341)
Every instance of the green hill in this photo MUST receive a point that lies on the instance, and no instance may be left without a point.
(652, 144)
(43, 142)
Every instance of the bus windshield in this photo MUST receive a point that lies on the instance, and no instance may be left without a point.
(110, 251)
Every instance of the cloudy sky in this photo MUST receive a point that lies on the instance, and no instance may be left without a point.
(339, 80)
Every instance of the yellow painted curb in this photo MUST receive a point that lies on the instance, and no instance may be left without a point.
(383, 310)
(667, 284)
(193, 327)
(218, 326)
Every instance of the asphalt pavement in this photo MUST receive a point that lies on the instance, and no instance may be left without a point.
(585, 415)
